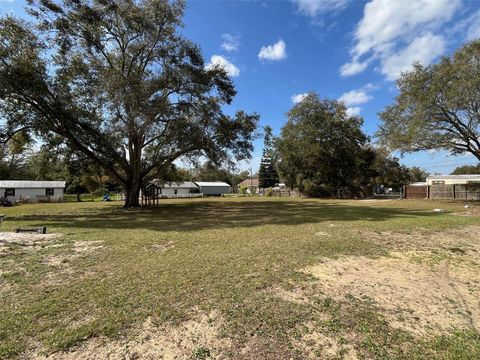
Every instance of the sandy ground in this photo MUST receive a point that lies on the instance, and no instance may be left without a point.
(25, 240)
(195, 338)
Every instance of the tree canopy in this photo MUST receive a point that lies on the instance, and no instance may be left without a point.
(120, 85)
(438, 106)
(417, 174)
(323, 151)
(467, 170)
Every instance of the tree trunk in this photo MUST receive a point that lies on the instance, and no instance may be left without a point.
(135, 178)
(78, 196)
(132, 193)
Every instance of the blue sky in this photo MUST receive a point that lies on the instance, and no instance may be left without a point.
(345, 49)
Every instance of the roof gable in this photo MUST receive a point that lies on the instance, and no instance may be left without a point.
(211, 183)
(31, 184)
(249, 182)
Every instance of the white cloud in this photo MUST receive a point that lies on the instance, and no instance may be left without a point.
(423, 49)
(389, 29)
(230, 42)
(220, 61)
(355, 97)
(273, 52)
(353, 111)
(473, 31)
(313, 8)
(353, 68)
(296, 98)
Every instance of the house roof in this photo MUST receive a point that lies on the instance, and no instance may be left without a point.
(211, 183)
(31, 184)
(441, 177)
(180, 185)
(249, 182)
(174, 184)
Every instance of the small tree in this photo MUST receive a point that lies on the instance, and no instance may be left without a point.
(388, 171)
(14, 157)
(267, 175)
(417, 174)
(438, 106)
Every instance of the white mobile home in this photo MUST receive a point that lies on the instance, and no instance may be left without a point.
(453, 179)
(32, 191)
(179, 189)
(213, 188)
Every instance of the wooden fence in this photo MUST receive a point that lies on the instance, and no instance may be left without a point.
(460, 192)
(415, 192)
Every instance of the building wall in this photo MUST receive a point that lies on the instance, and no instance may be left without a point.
(34, 195)
(215, 190)
(180, 191)
(452, 181)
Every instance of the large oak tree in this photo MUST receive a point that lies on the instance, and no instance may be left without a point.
(120, 84)
(323, 151)
(438, 106)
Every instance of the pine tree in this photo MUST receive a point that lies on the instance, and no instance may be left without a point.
(267, 175)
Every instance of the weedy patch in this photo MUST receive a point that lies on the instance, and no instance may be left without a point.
(197, 338)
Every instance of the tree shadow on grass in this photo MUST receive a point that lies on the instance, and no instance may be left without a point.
(212, 214)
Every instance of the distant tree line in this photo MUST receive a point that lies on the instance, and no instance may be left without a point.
(18, 161)
(467, 170)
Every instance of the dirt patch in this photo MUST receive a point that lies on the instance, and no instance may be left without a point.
(430, 283)
(162, 247)
(25, 240)
(316, 345)
(415, 297)
(296, 295)
(196, 338)
(87, 246)
(80, 249)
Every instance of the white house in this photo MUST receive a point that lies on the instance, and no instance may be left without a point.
(453, 179)
(32, 191)
(213, 188)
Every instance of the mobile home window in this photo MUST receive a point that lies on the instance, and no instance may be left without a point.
(9, 192)
(49, 191)
(438, 182)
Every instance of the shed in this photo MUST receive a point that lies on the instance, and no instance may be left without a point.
(32, 191)
(213, 188)
(184, 188)
(172, 189)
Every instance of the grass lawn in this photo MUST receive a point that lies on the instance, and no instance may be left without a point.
(242, 278)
